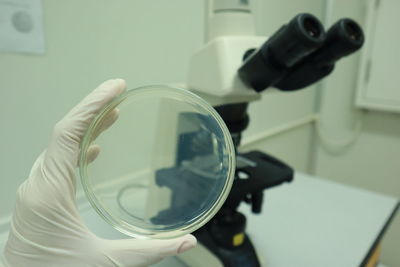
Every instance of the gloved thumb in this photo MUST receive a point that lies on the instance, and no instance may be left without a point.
(135, 252)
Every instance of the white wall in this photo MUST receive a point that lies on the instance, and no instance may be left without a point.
(87, 42)
(373, 161)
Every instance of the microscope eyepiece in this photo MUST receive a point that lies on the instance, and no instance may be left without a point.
(342, 39)
(353, 30)
(312, 28)
(289, 45)
(300, 37)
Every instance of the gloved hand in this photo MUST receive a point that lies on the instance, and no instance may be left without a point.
(47, 230)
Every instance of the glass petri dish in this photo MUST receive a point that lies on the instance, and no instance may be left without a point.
(166, 162)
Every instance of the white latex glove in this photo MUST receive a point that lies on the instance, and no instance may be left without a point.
(47, 230)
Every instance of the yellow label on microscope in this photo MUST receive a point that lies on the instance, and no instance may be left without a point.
(238, 239)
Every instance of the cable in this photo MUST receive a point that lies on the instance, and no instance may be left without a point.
(119, 196)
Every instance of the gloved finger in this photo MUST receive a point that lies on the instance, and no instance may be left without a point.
(147, 252)
(68, 132)
(61, 157)
(93, 152)
(108, 120)
(75, 123)
(92, 103)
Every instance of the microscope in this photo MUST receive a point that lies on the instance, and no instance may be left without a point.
(231, 70)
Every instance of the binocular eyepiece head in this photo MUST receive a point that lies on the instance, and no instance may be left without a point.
(299, 53)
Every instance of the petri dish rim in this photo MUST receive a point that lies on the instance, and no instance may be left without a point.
(139, 232)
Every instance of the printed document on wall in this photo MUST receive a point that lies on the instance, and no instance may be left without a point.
(21, 26)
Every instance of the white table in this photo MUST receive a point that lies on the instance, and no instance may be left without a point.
(309, 222)
(315, 222)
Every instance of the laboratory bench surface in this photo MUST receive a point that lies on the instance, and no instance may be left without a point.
(316, 222)
(308, 222)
